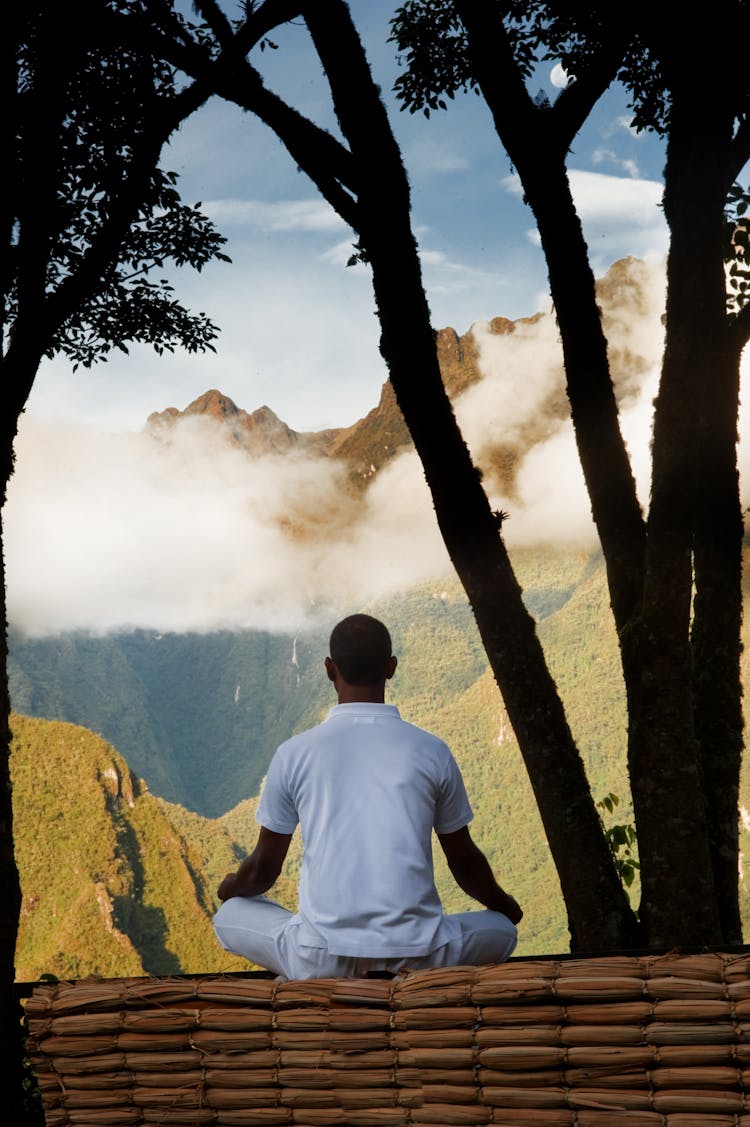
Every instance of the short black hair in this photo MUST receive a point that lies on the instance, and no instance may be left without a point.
(361, 648)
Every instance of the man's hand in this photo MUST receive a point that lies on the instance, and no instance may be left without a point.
(510, 908)
(260, 870)
(225, 891)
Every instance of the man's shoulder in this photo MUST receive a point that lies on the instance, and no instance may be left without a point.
(426, 740)
(301, 739)
(423, 733)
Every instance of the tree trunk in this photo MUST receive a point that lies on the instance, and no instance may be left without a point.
(694, 497)
(11, 1044)
(537, 141)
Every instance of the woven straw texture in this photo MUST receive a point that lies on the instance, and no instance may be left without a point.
(654, 1041)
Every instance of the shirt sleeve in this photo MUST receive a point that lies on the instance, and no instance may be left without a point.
(453, 810)
(276, 810)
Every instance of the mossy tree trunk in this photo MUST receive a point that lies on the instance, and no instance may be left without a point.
(686, 733)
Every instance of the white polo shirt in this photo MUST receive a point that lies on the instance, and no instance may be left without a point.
(367, 789)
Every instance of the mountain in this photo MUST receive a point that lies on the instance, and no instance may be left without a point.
(129, 865)
(199, 715)
(257, 432)
(109, 886)
(371, 442)
(368, 444)
(196, 715)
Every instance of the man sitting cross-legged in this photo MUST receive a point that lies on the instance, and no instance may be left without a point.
(367, 789)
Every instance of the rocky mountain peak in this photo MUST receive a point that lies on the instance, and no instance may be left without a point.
(257, 432)
(214, 404)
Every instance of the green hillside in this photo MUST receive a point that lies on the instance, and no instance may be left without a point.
(110, 887)
(196, 715)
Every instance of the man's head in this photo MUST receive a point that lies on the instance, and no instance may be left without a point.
(361, 659)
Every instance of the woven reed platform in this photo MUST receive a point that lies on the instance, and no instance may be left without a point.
(653, 1041)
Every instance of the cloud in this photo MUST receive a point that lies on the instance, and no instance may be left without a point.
(439, 156)
(625, 122)
(609, 156)
(621, 215)
(280, 215)
(190, 534)
(520, 405)
(620, 200)
(340, 254)
(109, 532)
(295, 334)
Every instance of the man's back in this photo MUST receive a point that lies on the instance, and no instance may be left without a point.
(367, 789)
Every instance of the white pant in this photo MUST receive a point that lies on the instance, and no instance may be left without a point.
(260, 930)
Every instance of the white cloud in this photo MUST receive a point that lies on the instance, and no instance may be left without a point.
(109, 532)
(280, 215)
(620, 215)
(609, 156)
(616, 199)
(625, 122)
(521, 402)
(296, 335)
(427, 155)
(444, 277)
(340, 254)
(620, 200)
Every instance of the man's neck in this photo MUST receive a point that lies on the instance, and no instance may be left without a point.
(361, 694)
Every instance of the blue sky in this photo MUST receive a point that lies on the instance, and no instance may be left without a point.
(298, 328)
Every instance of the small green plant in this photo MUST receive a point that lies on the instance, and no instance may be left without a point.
(622, 841)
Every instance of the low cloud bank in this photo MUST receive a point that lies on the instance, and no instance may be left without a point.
(108, 532)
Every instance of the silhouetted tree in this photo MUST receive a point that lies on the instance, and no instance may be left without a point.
(87, 217)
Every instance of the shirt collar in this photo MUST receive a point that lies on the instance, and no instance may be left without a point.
(382, 711)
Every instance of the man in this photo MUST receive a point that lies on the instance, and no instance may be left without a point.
(366, 789)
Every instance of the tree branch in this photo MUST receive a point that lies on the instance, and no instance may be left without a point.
(231, 76)
(538, 148)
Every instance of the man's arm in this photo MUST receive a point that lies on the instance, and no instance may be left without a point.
(260, 869)
(472, 873)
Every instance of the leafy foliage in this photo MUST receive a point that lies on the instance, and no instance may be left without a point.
(737, 247)
(433, 51)
(622, 839)
(89, 120)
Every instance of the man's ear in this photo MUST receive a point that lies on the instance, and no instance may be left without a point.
(390, 668)
(331, 670)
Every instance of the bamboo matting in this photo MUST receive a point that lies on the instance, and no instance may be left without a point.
(653, 1041)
